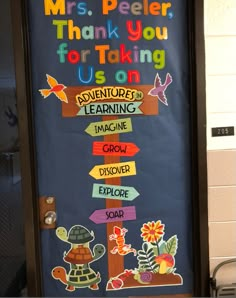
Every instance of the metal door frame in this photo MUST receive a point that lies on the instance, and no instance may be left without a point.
(198, 145)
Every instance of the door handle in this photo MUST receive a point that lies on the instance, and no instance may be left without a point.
(50, 217)
(47, 212)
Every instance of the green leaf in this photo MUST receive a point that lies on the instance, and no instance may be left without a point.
(170, 270)
(156, 266)
(172, 245)
(155, 250)
(155, 271)
(143, 263)
(152, 260)
(142, 254)
(153, 264)
(150, 269)
(151, 255)
(163, 248)
(145, 247)
(150, 250)
(141, 258)
(146, 257)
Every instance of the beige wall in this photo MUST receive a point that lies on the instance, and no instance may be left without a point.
(220, 33)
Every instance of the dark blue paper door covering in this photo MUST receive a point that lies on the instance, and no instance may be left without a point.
(110, 84)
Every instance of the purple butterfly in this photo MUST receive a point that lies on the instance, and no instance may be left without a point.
(159, 89)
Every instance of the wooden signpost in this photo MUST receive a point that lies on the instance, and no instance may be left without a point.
(112, 170)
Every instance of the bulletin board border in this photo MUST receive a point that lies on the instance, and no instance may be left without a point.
(198, 146)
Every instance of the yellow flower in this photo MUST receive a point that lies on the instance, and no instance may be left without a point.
(152, 231)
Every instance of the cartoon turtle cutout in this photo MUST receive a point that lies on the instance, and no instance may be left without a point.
(77, 278)
(79, 257)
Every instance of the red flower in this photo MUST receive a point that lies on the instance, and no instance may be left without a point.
(152, 231)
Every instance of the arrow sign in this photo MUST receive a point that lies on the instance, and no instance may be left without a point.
(107, 191)
(111, 108)
(114, 148)
(113, 170)
(103, 128)
(113, 214)
(149, 103)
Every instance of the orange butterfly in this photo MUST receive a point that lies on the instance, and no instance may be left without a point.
(56, 88)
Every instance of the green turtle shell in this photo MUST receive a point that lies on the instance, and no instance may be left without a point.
(83, 277)
(79, 235)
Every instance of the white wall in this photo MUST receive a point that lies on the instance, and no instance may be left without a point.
(220, 36)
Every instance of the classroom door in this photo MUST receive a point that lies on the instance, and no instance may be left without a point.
(111, 110)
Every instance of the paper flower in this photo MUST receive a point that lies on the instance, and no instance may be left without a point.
(152, 231)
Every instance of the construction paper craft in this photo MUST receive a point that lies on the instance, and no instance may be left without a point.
(107, 93)
(159, 88)
(122, 248)
(107, 191)
(115, 148)
(80, 256)
(113, 170)
(109, 127)
(156, 261)
(149, 104)
(55, 88)
(113, 215)
(111, 108)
